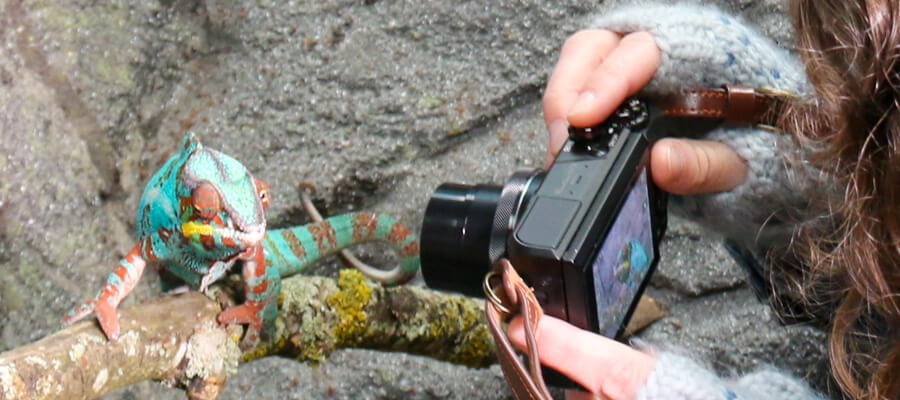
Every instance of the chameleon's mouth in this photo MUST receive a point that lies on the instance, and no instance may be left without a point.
(245, 239)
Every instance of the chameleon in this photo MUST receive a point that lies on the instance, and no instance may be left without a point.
(203, 211)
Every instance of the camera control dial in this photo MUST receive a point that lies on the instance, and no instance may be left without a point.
(632, 115)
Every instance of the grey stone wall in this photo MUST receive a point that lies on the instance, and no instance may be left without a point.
(374, 102)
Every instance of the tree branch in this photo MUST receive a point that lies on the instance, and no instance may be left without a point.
(177, 339)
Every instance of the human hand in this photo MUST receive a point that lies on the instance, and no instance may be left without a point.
(596, 71)
(603, 366)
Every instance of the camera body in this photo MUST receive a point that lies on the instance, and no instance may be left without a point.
(584, 234)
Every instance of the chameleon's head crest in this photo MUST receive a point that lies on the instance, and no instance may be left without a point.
(189, 143)
(234, 187)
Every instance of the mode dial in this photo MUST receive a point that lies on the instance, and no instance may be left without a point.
(631, 115)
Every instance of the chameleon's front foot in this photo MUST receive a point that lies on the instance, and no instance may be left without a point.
(119, 283)
(263, 284)
(218, 270)
(106, 315)
(249, 313)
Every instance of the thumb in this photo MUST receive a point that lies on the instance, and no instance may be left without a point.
(599, 364)
(685, 166)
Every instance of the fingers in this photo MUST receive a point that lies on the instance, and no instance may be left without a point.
(581, 54)
(625, 71)
(600, 364)
(595, 72)
(684, 166)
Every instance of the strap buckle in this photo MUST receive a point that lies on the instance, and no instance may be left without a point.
(779, 94)
(779, 98)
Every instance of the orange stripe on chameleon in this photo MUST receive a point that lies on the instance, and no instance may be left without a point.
(261, 288)
(323, 232)
(209, 242)
(399, 232)
(230, 242)
(364, 225)
(121, 272)
(294, 244)
(409, 250)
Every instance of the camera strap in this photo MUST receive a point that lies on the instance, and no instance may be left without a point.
(730, 104)
(505, 300)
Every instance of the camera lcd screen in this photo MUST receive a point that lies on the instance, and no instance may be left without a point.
(624, 259)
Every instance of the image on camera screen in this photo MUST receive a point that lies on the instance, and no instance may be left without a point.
(624, 259)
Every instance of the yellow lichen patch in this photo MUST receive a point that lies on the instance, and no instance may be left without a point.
(349, 302)
(454, 320)
(262, 350)
(475, 350)
(456, 314)
(311, 353)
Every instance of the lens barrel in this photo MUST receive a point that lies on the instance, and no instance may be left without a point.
(456, 235)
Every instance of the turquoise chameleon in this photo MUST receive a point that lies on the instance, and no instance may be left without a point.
(203, 211)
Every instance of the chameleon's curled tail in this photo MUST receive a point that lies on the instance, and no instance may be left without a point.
(292, 249)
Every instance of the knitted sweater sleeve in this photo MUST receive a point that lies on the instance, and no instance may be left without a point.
(679, 378)
(703, 47)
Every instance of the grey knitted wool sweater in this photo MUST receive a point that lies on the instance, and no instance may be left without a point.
(703, 47)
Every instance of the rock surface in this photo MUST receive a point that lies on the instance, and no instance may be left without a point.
(374, 102)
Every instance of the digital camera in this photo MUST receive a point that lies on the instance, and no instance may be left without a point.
(584, 234)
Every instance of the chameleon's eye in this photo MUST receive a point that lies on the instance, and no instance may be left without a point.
(206, 201)
(263, 190)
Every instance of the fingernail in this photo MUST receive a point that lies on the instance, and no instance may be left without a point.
(675, 161)
(584, 103)
(559, 132)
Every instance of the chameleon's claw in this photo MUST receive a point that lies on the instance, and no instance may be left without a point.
(78, 313)
(178, 290)
(218, 270)
(106, 315)
(109, 321)
(245, 314)
(242, 314)
(205, 282)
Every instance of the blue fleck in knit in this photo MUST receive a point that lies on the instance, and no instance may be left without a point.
(703, 47)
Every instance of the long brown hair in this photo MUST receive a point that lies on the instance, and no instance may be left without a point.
(852, 53)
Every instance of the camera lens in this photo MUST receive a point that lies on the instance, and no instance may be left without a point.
(456, 235)
(465, 230)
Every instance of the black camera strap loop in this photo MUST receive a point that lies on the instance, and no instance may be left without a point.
(505, 300)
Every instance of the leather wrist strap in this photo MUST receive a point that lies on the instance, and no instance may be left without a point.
(508, 298)
(732, 104)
